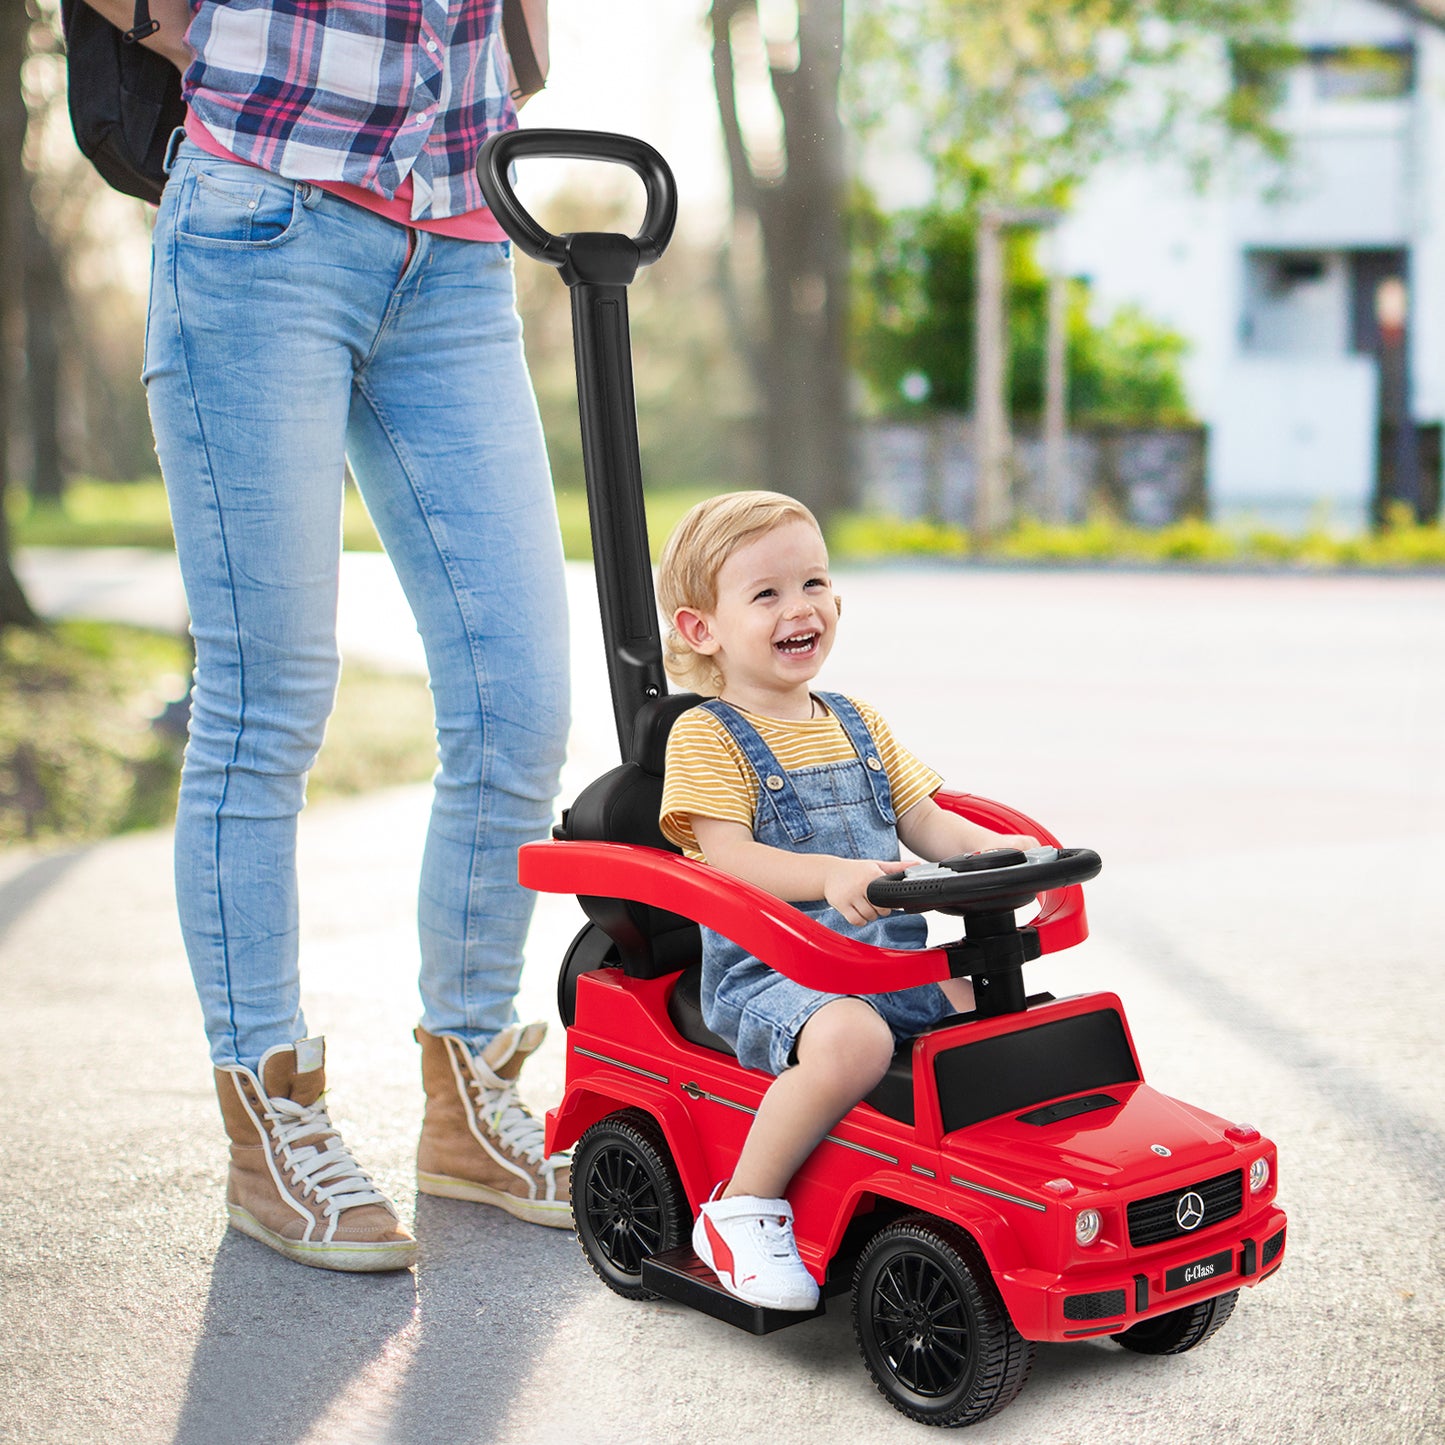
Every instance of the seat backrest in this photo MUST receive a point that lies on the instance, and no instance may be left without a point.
(622, 806)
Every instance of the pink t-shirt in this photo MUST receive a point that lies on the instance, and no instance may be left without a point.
(478, 225)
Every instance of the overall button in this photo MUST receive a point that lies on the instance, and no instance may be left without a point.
(875, 765)
(775, 782)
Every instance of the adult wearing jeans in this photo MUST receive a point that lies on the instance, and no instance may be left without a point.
(328, 284)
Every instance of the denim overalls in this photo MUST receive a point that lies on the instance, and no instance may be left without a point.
(841, 808)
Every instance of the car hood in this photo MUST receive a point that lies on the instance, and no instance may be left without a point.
(1146, 1136)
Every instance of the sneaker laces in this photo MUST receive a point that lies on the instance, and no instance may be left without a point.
(777, 1237)
(329, 1173)
(504, 1113)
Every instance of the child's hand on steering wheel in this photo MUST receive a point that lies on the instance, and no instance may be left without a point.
(845, 886)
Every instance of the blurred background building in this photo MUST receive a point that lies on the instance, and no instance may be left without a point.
(1312, 294)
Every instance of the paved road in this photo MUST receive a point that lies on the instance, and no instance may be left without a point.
(1260, 762)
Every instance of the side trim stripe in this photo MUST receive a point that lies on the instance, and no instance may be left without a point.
(618, 1064)
(997, 1193)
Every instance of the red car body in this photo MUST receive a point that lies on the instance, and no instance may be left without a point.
(1015, 1180)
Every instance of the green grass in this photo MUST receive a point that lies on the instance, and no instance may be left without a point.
(134, 514)
(80, 759)
(664, 510)
(94, 514)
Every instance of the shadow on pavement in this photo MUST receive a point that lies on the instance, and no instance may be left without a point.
(493, 1292)
(288, 1353)
(280, 1344)
(31, 884)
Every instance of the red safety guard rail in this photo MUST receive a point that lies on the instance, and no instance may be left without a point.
(770, 929)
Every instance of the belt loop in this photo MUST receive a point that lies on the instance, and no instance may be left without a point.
(172, 146)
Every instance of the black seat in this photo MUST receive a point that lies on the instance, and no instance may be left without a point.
(622, 806)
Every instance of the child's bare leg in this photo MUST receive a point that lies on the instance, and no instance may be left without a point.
(959, 992)
(843, 1051)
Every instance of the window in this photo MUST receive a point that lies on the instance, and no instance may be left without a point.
(1362, 72)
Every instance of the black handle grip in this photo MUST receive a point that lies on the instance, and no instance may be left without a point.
(575, 145)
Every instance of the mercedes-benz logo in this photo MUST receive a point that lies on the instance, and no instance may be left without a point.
(1189, 1211)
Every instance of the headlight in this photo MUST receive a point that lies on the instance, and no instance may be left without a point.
(1258, 1175)
(1086, 1226)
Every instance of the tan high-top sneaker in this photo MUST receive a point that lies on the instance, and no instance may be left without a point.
(293, 1183)
(478, 1141)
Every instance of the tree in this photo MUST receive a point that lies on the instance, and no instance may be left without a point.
(45, 308)
(793, 184)
(916, 288)
(15, 609)
(1013, 103)
(1031, 95)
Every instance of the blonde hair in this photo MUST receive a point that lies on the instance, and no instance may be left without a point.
(695, 553)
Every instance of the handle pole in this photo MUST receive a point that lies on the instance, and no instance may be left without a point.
(598, 267)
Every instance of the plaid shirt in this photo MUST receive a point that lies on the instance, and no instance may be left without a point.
(365, 91)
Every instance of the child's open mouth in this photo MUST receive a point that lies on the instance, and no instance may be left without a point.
(798, 644)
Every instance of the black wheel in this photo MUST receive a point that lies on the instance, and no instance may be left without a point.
(931, 1326)
(1179, 1330)
(627, 1201)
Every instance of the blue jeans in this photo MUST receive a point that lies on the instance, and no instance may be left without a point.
(289, 329)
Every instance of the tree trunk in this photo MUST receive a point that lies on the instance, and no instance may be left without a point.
(800, 359)
(44, 319)
(14, 37)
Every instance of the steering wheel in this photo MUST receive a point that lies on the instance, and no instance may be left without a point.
(995, 879)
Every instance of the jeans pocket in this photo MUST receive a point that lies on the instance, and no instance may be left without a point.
(235, 205)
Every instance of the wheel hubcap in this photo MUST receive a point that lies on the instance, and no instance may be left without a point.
(919, 1325)
(623, 1209)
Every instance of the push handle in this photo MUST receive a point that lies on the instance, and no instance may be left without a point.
(581, 145)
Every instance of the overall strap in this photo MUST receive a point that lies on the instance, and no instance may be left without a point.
(773, 784)
(851, 721)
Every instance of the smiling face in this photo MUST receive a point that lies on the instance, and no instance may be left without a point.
(774, 621)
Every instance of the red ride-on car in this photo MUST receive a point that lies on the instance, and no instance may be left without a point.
(1013, 1179)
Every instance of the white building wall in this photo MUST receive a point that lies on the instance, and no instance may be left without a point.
(1294, 440)
(1367, 174)
(1427, 317)
(1143, 237)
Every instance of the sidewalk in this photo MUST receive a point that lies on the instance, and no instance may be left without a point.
(1259, 763)
(131, 1313)
(131, 584)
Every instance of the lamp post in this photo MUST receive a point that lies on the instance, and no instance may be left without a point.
(1392, 313)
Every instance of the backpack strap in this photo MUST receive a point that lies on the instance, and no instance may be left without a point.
(145, 23)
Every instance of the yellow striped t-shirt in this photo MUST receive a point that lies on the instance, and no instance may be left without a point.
(707, 773)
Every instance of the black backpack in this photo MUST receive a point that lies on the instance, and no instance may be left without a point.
(124, 100)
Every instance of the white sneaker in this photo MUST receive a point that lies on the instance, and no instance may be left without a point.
(748, 1243)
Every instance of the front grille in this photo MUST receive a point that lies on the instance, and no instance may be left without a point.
(1153, 1220)
(1105, 1305)
(1271, 1250)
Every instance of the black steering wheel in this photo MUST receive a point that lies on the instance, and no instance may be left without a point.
(995, 879)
